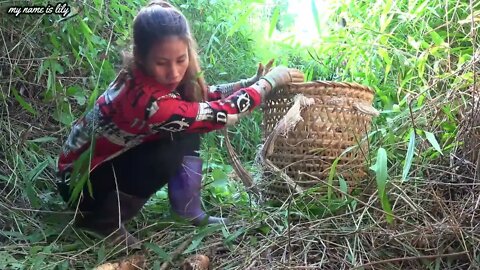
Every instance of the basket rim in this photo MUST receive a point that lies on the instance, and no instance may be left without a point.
(294, 86)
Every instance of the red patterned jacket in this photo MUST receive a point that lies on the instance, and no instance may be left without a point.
(135, 108)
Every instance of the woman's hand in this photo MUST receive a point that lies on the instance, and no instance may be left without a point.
(282, 76)
(261, 71)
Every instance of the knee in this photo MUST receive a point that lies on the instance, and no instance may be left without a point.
(190, 144)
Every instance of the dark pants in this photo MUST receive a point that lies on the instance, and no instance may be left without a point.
(140, 171)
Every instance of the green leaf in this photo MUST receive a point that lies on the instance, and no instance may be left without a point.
(437, 39)
(101, 254)
(409, 157)
(54, 41)
(33, 174)
(23, 103)
(235, 235)
(331, 174)
(421, 100)
(32, 194)
(388, 61)
(384, 18)
(309, 74)
(51, 82)
(207, 230)
(85, 29)
(433, 141)
(219, 177)
(240, 22)
(58, 68)
(159, 251)
(43, 139)
(78, 187)
(381, 175)
(265, 229)
(422, 61)
(273, 22)
(315, 16)
(195, 243)
(415, 44)
(80, 175)
(43, 66)
(387, 208)
(381, 170)
(343, 185)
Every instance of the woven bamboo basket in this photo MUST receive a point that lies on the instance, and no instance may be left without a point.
(339, 119)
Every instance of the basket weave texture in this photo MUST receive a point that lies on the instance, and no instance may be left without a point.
(340, 118)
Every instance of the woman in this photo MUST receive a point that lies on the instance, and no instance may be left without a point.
(144, 130)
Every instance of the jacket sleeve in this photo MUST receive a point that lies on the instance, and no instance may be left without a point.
(176, 115)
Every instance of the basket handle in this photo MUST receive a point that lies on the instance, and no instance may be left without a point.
(365, 108)
(359, 106)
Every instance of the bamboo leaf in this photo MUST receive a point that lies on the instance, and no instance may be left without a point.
(343, 186)
(241, 21)
(203, 232)
(315, 16)
(80, 173)
(232, 237)
(381, 170)
(387, 208)
(331, 174)
(388, 61)
(437, 39)
(33, 174)
(23, 103)
(32, 194)
(381, 175)
(409, 157)
(274, 21)
(220, 178)
(159, 251)
(85, 29)
(43, 139)
(433, 141)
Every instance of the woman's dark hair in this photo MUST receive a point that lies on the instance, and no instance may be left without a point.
(156, 22)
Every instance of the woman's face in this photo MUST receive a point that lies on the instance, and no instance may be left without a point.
(168, 61)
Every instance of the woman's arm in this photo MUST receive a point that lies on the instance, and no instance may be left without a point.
(176, 115)
(220, 91)
(216, 92)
